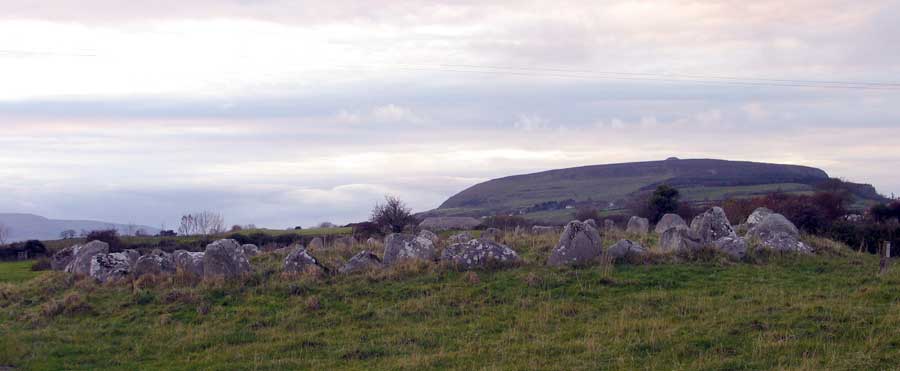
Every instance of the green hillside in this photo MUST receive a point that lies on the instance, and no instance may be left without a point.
(608, 187)
(830, 311)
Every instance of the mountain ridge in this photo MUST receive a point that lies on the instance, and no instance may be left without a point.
(26, 226)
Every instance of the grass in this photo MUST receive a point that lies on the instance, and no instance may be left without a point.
(18, 271)
(793, 313)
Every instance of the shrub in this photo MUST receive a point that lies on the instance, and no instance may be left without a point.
(393, 215)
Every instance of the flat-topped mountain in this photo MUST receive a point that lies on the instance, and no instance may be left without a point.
(34, 227)
(608, 187)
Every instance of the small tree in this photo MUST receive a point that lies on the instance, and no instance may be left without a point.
(67, 234)
(393, 215)
(664, 200)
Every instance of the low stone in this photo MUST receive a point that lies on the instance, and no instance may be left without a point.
(712, 225)
(733, 246)
(625, 248)
(156, 262)
(757, 216)
(316, 244)
(638, 226)
(225, 259)
(480, 253)
(679, 239)
(363, 261)
(461, 237)
(429, 235)
(299, 261)
(250, 250)
(579, 244)
(189, 262)
(110, 267)
(669, 221)
(400, 246)
(132, 255)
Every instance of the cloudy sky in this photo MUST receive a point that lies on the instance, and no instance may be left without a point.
(284, 113)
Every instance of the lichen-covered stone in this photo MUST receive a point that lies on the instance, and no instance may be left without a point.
(625, 248)
(189, 262)
(712, 225)
(299, 261)
(777, 233)
(82, 255)
(669, 221)
(110, 267)
(156, 262)
(400, 246)
(578, 244)
(480, 253)
(363, 261)
(225, 259)
(638, 225)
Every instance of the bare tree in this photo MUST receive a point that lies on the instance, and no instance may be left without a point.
(393, 215)
(67, 234)
(204, 222)
(4, 233)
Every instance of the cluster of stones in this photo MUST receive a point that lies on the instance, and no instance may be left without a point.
(580, 243)
(223, 258)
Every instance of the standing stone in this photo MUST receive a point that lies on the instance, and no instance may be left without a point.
(400, 246)
(189, 262)
(669, 221)
(679, 239)
(638, 225)
(156, 262)
(757, 216)
(132, 255)
(733, 246)
(479, 253)
(62, 258)
(492, 234)
(224, 259)
(363, 261)
(250, 250)
(82, 256)
(429, 235)
(110, 267)
(461, 237)
(712, 225)
(299, 261)
(777, 233)
(578, 244)
(316, 244)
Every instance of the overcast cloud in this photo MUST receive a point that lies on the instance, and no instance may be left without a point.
(284, 113)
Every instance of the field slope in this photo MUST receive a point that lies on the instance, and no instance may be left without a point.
(802, 313)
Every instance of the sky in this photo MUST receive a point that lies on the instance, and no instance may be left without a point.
(283, 113)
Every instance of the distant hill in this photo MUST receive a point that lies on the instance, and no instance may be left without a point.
(548, 194)
(34, 227)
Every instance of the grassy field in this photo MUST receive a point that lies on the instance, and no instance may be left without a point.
(12, 272)
(790, 313)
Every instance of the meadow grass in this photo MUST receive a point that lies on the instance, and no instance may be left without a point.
(17, 271)
(830, 311)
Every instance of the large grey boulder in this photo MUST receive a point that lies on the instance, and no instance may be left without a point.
(132, 255)
(461, 237)
(363, 261)
(712, 225)
(316, 243)
(733, 246)
(669, 221)
(638, 225)
(400, 246)
(680, 239)
(757, 216)
(579, 244)
(225, 259)
(625, 248)
(82, 256)
(429, 235)
(777, 233)
(156, 262)
(110, 267)
(62, 258)
(189, 262)
(299, 261)
(492, 234)
(480, 253)
(445, 223)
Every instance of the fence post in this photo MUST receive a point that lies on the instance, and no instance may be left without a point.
(885, 257)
